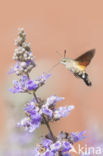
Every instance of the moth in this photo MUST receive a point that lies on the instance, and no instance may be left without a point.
(78, 66)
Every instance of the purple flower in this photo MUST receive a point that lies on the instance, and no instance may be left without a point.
(44, 77)
(61, 145)
(30, 106)
(31, 123)
(62, 135)
(62, 111)
(71, 137)
(53, 99)
(25, 85)
(35, 117)
(23, 67)
(35, 112)
(26, 123)
(46, 142)
(39, 152)
(49, 153)
(66, 154)
(41, 80)
(66, 146)
(77, 136)
(47, 111)
(48, 148)
(56, 146)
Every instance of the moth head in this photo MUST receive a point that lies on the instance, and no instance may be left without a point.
(64, 60)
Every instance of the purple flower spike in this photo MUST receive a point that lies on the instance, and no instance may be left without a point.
(40, 111)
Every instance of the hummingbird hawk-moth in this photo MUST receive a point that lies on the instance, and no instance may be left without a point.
(78, 66)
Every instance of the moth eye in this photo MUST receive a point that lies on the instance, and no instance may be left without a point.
(64, 60)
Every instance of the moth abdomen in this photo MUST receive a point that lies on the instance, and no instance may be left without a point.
(84, 76)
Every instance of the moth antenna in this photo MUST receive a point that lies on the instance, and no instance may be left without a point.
(58, 53)
(53, 67)
(65, 53)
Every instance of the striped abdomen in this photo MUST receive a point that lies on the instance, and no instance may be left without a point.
(84, 76)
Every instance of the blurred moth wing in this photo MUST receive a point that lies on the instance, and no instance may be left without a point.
(84, 60)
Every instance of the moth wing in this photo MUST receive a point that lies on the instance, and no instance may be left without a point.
(85, 59)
